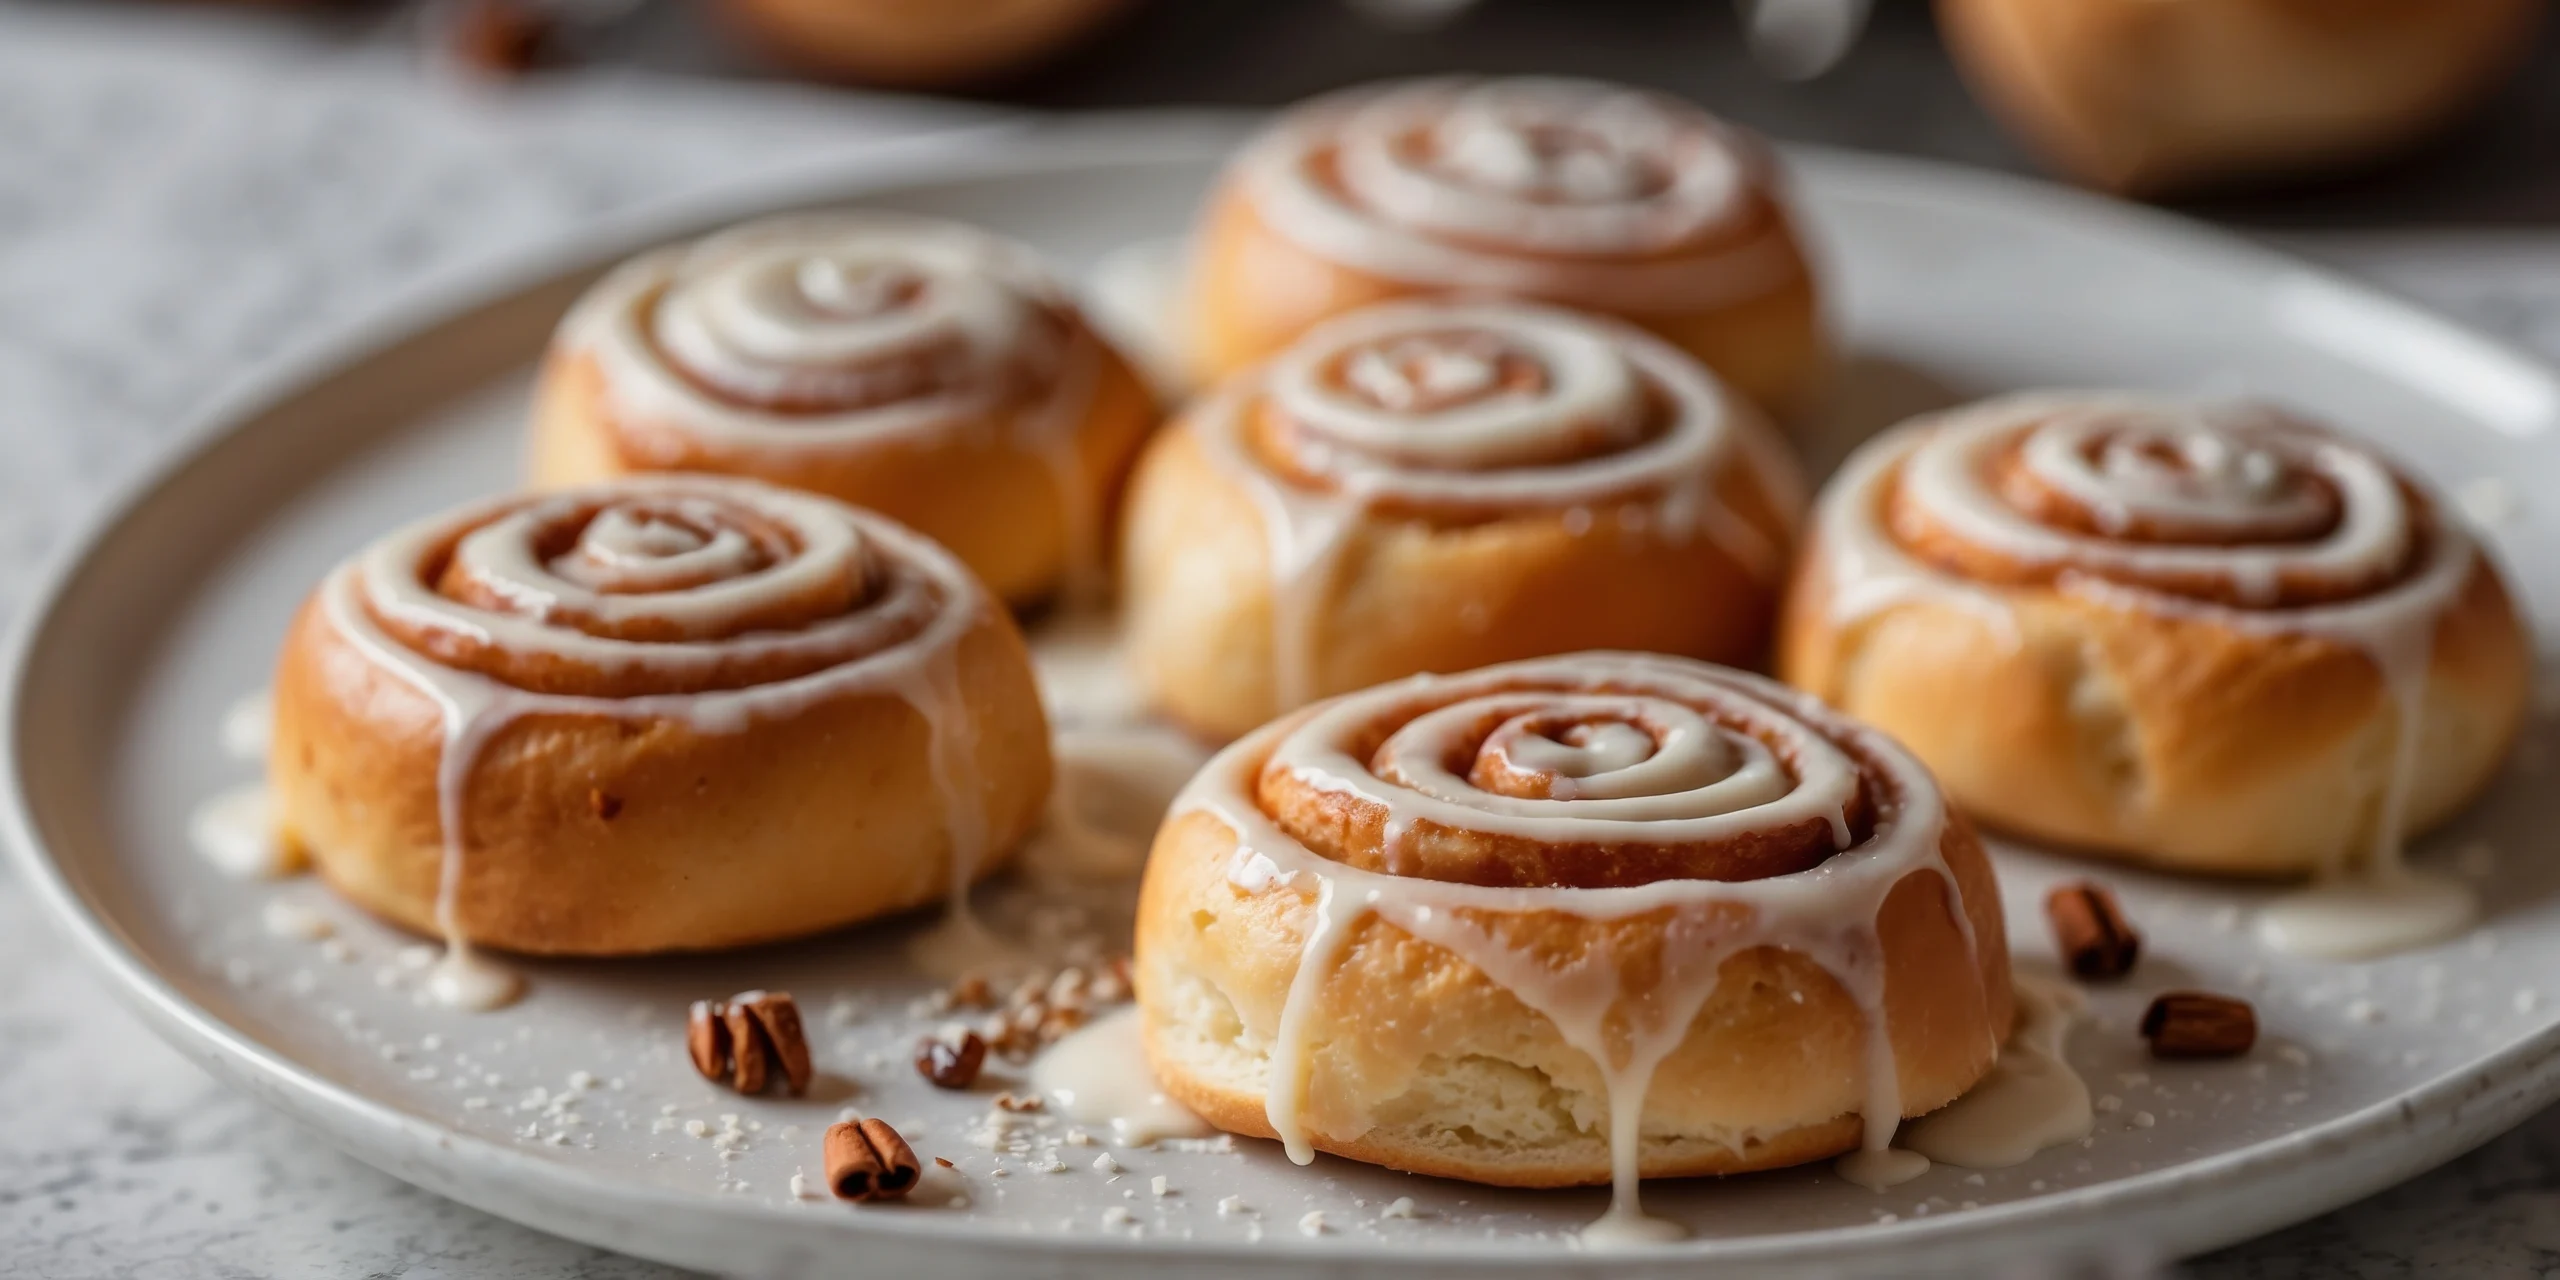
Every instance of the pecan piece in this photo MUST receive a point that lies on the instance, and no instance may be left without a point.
(867, 1160)
(746, 1038)
(2199, 1024)
(503, 36)
(2090, 927)
(949, 1064)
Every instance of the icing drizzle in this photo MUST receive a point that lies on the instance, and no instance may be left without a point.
(1610, 196)
(1562, 767)
(805, 338)
(1470, 409)
(2232, 514)
(707, 601)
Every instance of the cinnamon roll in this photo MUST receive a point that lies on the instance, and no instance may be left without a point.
(2150, 98)
(1430, 486)
(664, 713)
(1588, 195)
(923, 369)
(1574, 920)
(2215, 638)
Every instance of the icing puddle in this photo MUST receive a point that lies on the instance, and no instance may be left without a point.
(2030, 1101)
(1099, 1076)
(2383, 908)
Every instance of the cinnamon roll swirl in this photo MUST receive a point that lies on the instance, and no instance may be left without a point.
(664, 713)
(1574, 920)
(2214, 637)
(1587, 195)
(926, 370)
(1429, 486)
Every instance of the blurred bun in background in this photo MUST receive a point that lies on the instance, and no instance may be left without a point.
(916, 43)
(2147, 97)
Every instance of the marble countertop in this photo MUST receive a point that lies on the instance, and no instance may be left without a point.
(183, 195)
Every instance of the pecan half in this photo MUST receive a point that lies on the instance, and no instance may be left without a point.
(2199, 1024)
(778, 1017)
(750, 1053)
(706, 1039)
(2090, 927)
(867, 1160)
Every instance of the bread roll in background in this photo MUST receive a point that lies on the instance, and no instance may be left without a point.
(2152, 97)
(915, 44)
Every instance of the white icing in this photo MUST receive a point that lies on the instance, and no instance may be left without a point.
(901, 640)
(1683, 789)
(1098, 1076)
(872, 327)
(1400, 403)
(467, 980)
(1559, 188)
(235, 831)
(1880, 1168)
(248, 724)
(2031, 1100)
(2230, 474)
(2362, 916)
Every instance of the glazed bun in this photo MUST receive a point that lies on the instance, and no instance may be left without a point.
(663, 714)
(1569, 921)
(1431, 486)
(923, 369)
(1581, 194)
(2153, 96)
(2213, 638)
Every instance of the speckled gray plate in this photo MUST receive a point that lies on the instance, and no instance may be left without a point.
(1949, 284)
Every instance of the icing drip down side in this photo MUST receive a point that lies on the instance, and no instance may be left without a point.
(2232, 515)
(703, 601)
(1620, 752)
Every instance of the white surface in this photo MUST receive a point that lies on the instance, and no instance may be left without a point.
(284, 198)
(2339, 1100)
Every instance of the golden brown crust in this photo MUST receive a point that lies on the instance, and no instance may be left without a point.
(2174, 740)
(2150, 96)
(591, 835)
(1412, 596)
(976, 488)
(1254, 291)
(904, 43)
(1421, 1062)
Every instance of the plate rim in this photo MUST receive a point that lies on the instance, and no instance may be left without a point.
(2451, 1113)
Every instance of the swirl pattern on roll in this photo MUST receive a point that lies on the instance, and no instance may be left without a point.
(816, 330)
(1460, 411)
(2239, 511)
(1606, 787)
(659, 586)
(1466, 409)
(1512, 184)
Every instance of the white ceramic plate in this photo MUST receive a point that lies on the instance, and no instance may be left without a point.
(1948, 284)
